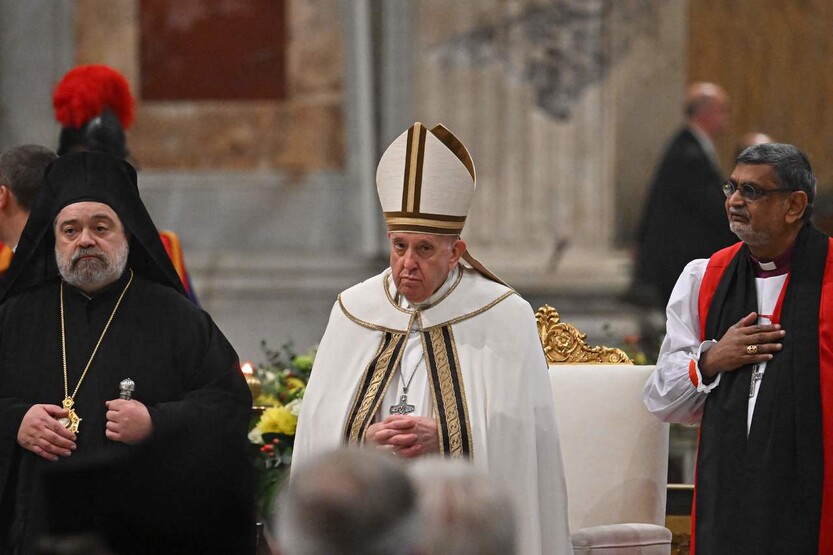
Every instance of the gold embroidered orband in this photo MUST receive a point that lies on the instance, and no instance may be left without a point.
(433, 230)
(372, 387)
(424, 217)
(447, 392)
(399, 221)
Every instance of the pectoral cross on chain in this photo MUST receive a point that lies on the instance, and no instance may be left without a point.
(756, 377)
(71, 421)
(403, 407)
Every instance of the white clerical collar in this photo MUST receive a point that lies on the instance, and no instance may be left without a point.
(438, 294)
(777, 267)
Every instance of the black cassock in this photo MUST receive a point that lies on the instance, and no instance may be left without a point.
(684, 217)
(188, 488)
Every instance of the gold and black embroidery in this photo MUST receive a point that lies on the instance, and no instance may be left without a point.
(373, 385)
(445, 382)
(447, 392)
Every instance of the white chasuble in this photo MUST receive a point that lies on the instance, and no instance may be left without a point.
(485, 382)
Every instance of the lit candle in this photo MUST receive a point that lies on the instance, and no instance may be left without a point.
(252, 381)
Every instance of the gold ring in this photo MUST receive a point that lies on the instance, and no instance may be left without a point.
(751, 349)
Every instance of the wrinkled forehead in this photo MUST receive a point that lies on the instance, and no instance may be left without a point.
(754, 173)
(86, 211)
(415, 238)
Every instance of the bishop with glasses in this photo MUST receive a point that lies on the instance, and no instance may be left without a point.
(748, 355)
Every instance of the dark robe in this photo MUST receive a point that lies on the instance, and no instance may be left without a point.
(770, 491)
(186, 489)
(684, 219)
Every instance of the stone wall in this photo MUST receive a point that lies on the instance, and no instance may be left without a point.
(36, 48)
(647, 89)
(560, 104)
(304, 133)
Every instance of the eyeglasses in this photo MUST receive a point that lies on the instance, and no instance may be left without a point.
(750, 192)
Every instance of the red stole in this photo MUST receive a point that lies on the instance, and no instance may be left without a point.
(715, 269)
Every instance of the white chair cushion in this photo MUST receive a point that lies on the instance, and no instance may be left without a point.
(621, 539)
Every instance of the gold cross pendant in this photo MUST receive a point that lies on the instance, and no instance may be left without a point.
(71, 422)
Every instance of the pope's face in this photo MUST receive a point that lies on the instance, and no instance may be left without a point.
(421, 262)
(90, 245)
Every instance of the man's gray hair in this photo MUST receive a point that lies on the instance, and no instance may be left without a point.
(21, 169)
(464, 509)
(791, 168)
(348, 502)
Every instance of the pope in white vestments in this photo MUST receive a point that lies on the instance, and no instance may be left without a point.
(435, 354)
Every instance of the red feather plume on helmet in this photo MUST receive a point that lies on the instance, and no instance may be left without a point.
(86, 90)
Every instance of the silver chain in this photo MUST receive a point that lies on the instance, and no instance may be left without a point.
(407, 383)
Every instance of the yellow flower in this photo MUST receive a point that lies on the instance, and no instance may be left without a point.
(266, 399)
(278, 420)
(294, 384)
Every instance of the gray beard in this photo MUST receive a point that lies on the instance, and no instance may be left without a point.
(92, 275)
(752, 238)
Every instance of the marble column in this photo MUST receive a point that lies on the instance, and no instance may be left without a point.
(36, 49)
(534, 90)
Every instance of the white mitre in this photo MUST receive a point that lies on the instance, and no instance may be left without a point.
(426, 181)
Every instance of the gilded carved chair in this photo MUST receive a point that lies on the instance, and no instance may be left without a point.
(615, 452)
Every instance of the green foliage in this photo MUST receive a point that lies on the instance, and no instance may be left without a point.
(279, 389)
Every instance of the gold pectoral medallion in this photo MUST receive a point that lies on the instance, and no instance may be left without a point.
(72, 420)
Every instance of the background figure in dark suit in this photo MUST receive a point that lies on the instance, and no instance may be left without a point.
(684, 217)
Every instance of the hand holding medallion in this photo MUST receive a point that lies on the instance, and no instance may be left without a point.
(42, 434)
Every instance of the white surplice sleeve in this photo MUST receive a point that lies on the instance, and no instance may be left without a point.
(675, 392)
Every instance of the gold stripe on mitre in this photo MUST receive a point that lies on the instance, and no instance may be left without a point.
(414, 160)
(456, 146)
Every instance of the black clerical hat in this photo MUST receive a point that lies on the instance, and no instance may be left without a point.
(79, 177)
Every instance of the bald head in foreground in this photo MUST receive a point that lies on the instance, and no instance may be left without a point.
(348, 501)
